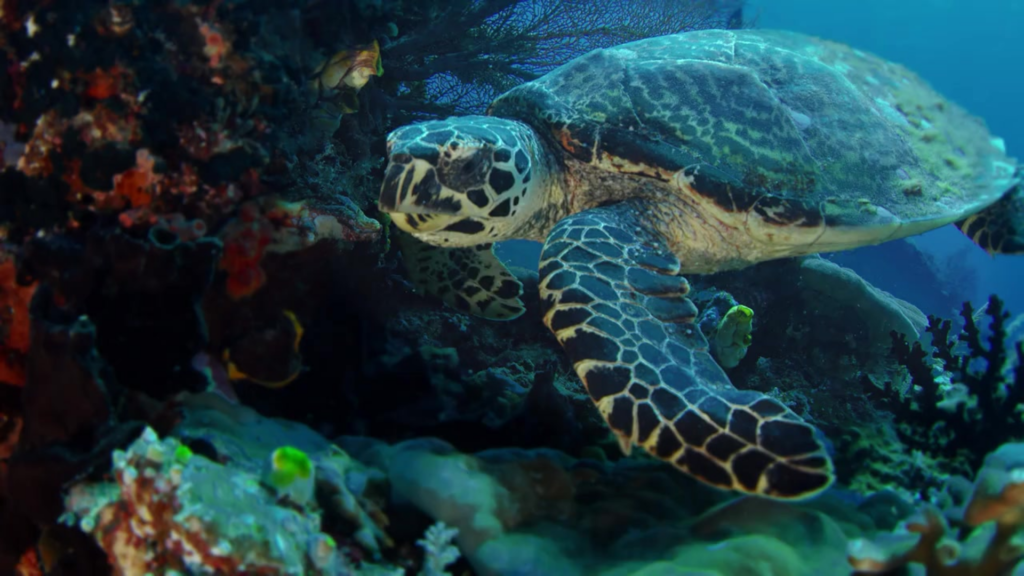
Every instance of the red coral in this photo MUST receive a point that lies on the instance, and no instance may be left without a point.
(245, 242)
(137, 185)
(135, 189)
(186, 182)
(101, 84)
(14, 323)
(216, 47)
(28, 565)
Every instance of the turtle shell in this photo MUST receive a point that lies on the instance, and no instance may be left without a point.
(801, 131)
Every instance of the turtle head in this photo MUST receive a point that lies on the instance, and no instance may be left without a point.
(462, 181)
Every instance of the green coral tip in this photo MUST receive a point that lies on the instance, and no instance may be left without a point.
(743, 310)
(292, 462)
(182, 454)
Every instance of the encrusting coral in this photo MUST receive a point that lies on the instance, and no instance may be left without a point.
(168, 509)
(240, 437)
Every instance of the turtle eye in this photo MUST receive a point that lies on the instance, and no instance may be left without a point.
(473, 164)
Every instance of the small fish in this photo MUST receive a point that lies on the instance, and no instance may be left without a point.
(216, 376)
(348, 70)
(235, 373)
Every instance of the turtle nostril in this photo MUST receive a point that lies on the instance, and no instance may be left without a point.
(401, 158)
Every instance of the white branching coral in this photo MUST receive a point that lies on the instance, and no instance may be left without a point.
(440, 552)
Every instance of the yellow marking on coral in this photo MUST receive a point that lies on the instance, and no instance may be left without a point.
(297, 326)
(291, 462)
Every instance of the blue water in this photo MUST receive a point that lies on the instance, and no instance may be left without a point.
(969, 55)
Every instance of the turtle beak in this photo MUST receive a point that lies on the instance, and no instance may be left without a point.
(397, 179)
(421, 223)
(411, 187)
(413, 196)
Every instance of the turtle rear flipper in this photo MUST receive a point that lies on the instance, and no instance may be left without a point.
(999, 229)
(613, 297)
(471, 280)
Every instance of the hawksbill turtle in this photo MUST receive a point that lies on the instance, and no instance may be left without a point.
(681, 154)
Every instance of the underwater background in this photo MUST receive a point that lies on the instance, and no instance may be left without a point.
(223, 349)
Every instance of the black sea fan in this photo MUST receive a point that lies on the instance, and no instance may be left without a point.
(455, 57)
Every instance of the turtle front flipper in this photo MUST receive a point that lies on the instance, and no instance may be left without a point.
(999, 229)
(612, 295)
(471, 280)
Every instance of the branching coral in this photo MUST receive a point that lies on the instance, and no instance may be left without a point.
(440, 552)
(455, 57)
(970, 408)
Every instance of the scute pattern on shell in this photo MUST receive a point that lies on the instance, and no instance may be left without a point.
(809, 121)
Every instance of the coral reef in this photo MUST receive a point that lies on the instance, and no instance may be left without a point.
(238, 436)
(543, 512)
(14, 319)
(211, 362)
(59, 442)
(991, 511)
(170, 510)
(965, 392)
(835, 322)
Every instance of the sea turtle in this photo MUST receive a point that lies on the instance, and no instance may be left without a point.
(690, 153)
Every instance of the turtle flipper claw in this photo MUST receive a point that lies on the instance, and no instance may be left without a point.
(999, 229)
(471, 279)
